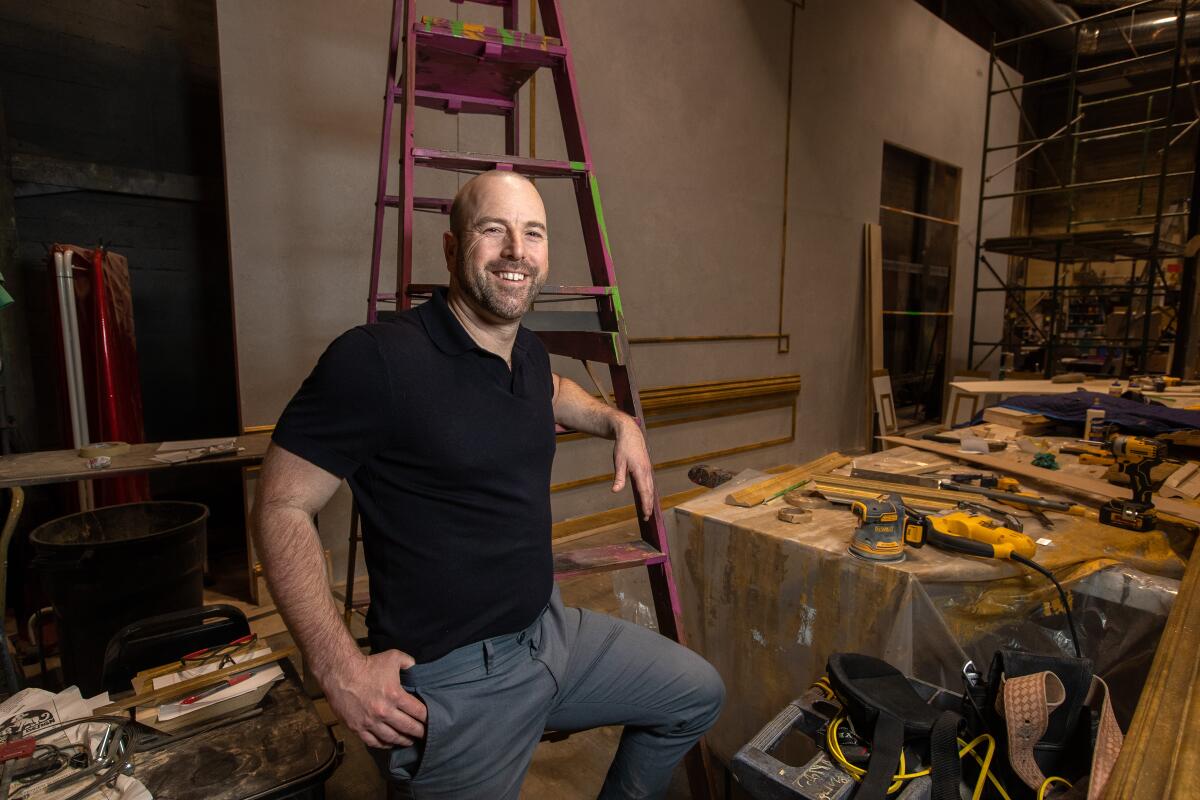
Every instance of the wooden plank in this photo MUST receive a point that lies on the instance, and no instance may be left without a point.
(160, 696)
(604, 558)
(1161, 755)
(58, 466)
(758, 492)
(872, 320)
(1027, 423)
(1178, 508)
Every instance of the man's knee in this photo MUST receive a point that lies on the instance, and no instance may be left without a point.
(706, 692)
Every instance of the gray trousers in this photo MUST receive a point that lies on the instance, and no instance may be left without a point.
(488, 704)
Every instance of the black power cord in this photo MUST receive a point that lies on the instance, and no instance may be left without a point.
(1033, 565)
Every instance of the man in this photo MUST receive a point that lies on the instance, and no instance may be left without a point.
(443, 422)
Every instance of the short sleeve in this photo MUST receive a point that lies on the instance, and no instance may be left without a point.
(339, 417)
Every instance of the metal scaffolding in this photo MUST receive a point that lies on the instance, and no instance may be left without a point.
(1096, 88)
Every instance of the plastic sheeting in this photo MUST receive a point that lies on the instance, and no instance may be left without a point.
(766, 602)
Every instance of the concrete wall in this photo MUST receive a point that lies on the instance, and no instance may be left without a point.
(686, 110)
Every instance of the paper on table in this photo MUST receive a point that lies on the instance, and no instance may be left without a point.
(259, 677)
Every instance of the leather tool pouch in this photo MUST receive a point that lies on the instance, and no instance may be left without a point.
(884, 708)
(1049, 715)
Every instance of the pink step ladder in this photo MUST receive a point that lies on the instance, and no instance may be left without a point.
(462, 68)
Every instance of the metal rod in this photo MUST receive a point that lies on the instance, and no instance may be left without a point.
(1029, 126)
(1160, 200)
(1094, 134)
(1074, 74)
(987, 121)
(1129, 96)
(919, 215)
(1087, 184)
(1032, 150)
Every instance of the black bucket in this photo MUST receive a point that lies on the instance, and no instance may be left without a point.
(107, 568)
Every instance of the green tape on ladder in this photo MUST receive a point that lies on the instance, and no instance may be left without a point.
(599, 212)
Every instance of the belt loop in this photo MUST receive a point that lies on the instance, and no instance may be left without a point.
(487, 655)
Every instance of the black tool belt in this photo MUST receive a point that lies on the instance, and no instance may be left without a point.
(883, 705)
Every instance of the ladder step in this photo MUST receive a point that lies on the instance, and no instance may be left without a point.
(470, 64)
(574, 563)
(456, 102)
(479, 162)
(601, 347)
(439, 205)
(605, 558)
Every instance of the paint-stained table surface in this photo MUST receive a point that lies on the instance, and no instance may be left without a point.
(767, 602)
(281, 751)
(61, 466)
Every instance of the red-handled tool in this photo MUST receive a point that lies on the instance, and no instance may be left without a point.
(232, 680)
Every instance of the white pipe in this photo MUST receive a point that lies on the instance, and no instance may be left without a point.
(73, 363)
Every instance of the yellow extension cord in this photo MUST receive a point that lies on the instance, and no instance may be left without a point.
(985, 773)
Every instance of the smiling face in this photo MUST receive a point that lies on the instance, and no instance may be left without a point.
(496, 248)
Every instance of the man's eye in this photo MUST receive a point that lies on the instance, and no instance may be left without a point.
(492, 230)
(535, 235)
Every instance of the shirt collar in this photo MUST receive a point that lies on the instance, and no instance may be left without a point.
(447, 332)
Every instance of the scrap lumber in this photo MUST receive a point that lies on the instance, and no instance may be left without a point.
(872, 316)
(1183, 483)
(760, 491)
(1160, 754)
(1177, 508)
(183, 688)
(1026, 423)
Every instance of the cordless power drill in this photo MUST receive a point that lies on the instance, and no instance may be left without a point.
(1136, 457)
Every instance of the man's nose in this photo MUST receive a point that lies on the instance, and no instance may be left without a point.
(514, 247)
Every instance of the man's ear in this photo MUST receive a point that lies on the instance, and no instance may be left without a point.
(450, 248)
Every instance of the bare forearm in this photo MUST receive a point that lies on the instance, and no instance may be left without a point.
(576, 409)
(290, 550)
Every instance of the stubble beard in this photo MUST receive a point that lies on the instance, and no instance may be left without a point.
(510, 302)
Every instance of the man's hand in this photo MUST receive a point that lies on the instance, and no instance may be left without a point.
(369, 699)
(631, 458)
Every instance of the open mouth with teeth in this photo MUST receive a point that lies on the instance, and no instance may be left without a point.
(512, 277)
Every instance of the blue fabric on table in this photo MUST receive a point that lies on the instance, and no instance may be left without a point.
(1132, 416)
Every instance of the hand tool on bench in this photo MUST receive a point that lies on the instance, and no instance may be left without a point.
(11, 754)
(974, 531)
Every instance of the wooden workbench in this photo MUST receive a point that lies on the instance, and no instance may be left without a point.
(62, 466)
(767, 602)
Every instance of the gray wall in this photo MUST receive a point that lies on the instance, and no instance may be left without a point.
(686, 110)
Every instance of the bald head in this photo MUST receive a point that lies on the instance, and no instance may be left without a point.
(496, 248)
(486, 186)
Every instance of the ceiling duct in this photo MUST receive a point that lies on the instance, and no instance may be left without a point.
(1148, 29)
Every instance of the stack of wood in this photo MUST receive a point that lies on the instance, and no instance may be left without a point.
(1028, 424)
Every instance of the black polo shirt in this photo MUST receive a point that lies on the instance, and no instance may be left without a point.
(448, 454)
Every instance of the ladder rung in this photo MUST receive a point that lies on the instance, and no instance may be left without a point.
(478, 162)
(576, 562)
(457, 102)
(588, 560)
(602, 347)
(439, 204)
(423, 289)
